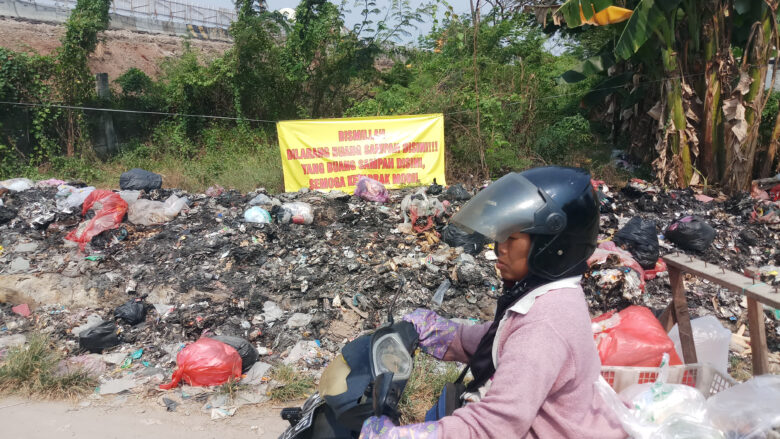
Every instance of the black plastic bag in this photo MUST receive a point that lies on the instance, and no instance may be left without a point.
(457, 192)
(691, 233)
(639, 237)
(132, 312)
(139, 180)
(471, 243)
(245, 349)
(434, 188)
(102, 336)
(6, 214)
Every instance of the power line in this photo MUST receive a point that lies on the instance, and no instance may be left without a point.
(115, 110)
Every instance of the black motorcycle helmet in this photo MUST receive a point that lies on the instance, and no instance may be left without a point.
(555, 205)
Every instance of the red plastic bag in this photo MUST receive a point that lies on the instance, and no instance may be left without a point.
(110, 207)
(660, 267)
(207, 362)
(632, 337)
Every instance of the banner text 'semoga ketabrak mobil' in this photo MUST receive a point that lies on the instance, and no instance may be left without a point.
(334, 153)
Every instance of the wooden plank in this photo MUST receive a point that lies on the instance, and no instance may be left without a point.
(731, 280)
(757, 337)
(667, 318)
(682, 315)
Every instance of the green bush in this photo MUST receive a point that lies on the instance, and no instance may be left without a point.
(557, 142)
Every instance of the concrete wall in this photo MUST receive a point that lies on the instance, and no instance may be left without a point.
(49, 13)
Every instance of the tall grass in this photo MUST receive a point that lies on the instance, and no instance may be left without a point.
(424, 387)
(291, 384)
(31, 370)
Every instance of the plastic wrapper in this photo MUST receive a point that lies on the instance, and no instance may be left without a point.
(747, 410)
(99, 337)
(258, 215)
(207, 362)
(245, 349)
(69, 198)
(109, 209)
(639, 237)
(711, 340)
(607, 248)
(371, 190)
(148, 212)
(132, 312)
(140, 180)
(17, 184)
(296, 212)
(632, 337)
(691, 233)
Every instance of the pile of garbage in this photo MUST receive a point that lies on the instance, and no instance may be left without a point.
(137, 276)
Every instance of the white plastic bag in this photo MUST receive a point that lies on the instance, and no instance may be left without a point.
(297, 212)
(258, 215)
(711, 340)
(69, 198)
(17, 184)
(260, 199)
(660, 410)
(130, 197)
(148, 212)
(747, 410)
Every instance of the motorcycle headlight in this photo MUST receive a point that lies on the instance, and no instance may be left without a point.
(390, 355)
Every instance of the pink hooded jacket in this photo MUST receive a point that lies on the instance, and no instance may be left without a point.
(546, 366)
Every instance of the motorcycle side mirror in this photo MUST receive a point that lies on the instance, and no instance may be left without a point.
(382, 386)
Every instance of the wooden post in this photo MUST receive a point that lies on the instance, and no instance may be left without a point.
(667, 318)
(682, 315)
(757, 337)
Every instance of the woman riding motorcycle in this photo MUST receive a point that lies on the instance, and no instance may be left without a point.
(535, 364)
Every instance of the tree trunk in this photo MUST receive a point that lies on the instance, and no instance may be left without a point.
(480, 144)
(711, 146)
(742, 153)
(771, 153)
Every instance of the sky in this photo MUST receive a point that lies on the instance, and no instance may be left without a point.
(460, 7)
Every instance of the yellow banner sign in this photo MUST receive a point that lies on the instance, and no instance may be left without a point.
(333, 153)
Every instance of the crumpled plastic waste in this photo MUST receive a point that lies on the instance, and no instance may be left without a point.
(747, 410)
(419, 206)
(109, 210)
(256, 214)
(149, 212)
(296, 212)
(70, 198)
(133, 312)
(261, 199)
(615, 272)
(17, 184)
(457, 192)
(659, 409)
(371, 190)
(215, 191)
(52, 182)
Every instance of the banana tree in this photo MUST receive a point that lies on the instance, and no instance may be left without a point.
(709, 105)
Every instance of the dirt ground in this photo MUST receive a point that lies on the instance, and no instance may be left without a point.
(126, 418)
(117, 51)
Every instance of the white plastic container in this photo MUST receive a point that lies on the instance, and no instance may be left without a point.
(711, 340)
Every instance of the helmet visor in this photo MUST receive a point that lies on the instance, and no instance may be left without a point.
(511, 204)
